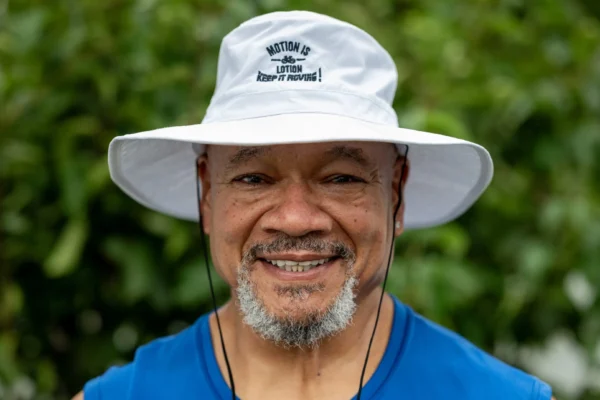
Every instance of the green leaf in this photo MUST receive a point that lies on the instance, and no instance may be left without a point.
(67, 250)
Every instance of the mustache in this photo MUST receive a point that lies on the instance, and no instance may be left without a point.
(309, 242)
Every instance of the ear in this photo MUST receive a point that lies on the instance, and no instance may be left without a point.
(401, 172)
(202, 170)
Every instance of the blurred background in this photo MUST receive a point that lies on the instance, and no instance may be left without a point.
(87, 275)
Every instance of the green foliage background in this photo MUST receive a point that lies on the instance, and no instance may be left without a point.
(86, 274)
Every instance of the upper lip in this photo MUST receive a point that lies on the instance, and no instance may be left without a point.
(296, 257)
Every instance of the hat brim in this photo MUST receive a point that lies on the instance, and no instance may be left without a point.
(157, 168)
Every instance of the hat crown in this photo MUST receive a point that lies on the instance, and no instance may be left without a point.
(300, 61)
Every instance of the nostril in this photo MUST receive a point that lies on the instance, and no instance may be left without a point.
(271, 231)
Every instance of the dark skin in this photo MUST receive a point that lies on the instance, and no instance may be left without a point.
(344, 192)
(338, 191)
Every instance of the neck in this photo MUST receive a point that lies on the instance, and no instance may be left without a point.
(260, 367)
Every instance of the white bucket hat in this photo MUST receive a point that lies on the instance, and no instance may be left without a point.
(298, 77)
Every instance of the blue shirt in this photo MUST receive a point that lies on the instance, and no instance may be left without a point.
(422, 361)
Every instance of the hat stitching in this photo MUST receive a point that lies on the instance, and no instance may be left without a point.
(376, 101)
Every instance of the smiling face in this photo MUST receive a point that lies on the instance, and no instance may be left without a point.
(302, 232)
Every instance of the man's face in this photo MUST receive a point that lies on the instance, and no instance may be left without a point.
(299, 230)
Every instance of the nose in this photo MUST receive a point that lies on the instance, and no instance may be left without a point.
(296, 213)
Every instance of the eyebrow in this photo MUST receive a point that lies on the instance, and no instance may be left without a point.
(244, 155)
(349, 153)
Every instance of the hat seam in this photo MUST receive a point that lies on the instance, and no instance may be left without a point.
(300, 111)
(384, 106)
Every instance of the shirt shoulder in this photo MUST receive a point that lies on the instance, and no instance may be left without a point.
(439, 363)
(159, 370)
(113, 384)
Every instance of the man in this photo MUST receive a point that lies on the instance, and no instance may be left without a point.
(303, 182)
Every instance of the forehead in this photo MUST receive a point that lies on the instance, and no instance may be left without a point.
(363, 153)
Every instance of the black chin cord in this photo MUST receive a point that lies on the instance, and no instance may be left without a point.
(212, 290)
(387, 270)
(214, 299)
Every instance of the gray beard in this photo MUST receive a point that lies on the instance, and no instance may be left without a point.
(309, 331)
(287, 332)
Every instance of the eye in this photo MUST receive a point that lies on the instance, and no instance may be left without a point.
(344, 179)
(250, 179)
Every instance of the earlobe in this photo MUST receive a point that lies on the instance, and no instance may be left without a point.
(401, 172)
(399, 224)
(398, 228)
(203, 175)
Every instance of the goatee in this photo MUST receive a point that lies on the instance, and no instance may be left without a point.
(313, 327)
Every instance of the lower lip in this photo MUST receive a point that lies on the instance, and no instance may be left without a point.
(311, 274)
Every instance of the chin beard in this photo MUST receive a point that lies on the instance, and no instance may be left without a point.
(305, 333)
(309, 330)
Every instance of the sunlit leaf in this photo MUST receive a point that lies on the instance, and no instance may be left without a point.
(68, 249)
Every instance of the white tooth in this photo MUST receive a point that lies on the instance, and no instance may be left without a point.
(295, 268)
(300, 268)
(280, 263)
(305, 263)
(292, 263)
(274, 263)
(288, 268)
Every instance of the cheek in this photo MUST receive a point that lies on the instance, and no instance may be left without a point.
(367, 224)
(363, 220)
(232, 221)
(231, 218)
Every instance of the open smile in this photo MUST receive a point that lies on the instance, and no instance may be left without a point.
(298, 266)
(287, 267)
